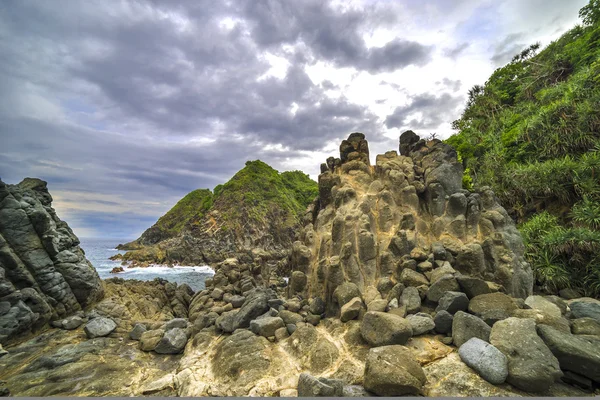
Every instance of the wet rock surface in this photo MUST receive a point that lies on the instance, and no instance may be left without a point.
(44, 275)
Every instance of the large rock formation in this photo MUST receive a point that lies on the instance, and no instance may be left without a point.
(376, 221)
(44, 274)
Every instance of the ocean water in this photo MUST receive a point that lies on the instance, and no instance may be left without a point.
(98, 252)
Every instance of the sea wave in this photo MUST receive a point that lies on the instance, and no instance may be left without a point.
(166, 270)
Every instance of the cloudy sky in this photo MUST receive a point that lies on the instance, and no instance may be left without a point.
(126, 106)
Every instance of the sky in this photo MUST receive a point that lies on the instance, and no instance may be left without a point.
(123, 107)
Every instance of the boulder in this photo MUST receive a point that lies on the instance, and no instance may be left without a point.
(393, 371)
(237, 301)
(316, 306)
(421, 323)
(492, 307)
(472, 287)
(540, 317)
(466, 326)
(411, 299)
(70, 323)
(281, 334)
(445, 269)
(256, 304)
(382, 329)
(351, 309)
(266, 326)
(584, 309)
(377, 305)
(99, 327)
(408, 277)
(531, 365)
(485, 359)
(574, 353)
(446, 283)
(149, 339)
(542, 304)
(345, 292)
(453, 302)
(181, 323)
(172, 342)
(586, 326)
(136, 332)
(310, 386)
(289, 317)
(443, 321)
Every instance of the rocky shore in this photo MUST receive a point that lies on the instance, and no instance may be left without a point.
(401, 283)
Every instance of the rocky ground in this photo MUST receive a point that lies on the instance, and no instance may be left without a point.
(153, 338)
(401, 283)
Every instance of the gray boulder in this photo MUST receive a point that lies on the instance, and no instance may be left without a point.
(237, 301)
(377, 305)
(408, 277)
(421, 323)
(472, 287)
(256, 304)
(69, 323)
(466, 326)
(485, 359)
(172, 342)
(544, 305)
(453, 302)
(382, 329)
(355, 391)
(351, 309)
(266, 326)
(492, 307)
(411, 299)
(99, 327)
(345, 292)
(393, 371)
(531, 365)
(443, 321)
(583, 309)
(316, 306)
(289, 317)
(446, 283)
(574, 353)
(310, 386)
(136, 332)
(181, 323)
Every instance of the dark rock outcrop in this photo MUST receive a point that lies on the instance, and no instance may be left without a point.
(44, 275)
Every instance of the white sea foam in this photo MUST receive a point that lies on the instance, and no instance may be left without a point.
(158, 269)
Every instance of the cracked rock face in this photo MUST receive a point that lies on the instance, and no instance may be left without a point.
(44, 274)
(376, 221)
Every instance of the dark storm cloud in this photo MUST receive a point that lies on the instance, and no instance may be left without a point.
(332, 35)
(434, 110)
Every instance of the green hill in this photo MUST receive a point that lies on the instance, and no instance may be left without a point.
(258, 209)
(532, 133)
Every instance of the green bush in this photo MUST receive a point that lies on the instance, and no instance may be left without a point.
(532, 133)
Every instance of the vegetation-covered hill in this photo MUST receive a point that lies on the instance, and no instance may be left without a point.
(257, 210)
(532, 133)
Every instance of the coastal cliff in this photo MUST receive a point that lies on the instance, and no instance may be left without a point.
(252, 217)
(44, 274)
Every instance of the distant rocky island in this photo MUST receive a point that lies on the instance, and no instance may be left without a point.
(401, 282)
(253, 217)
